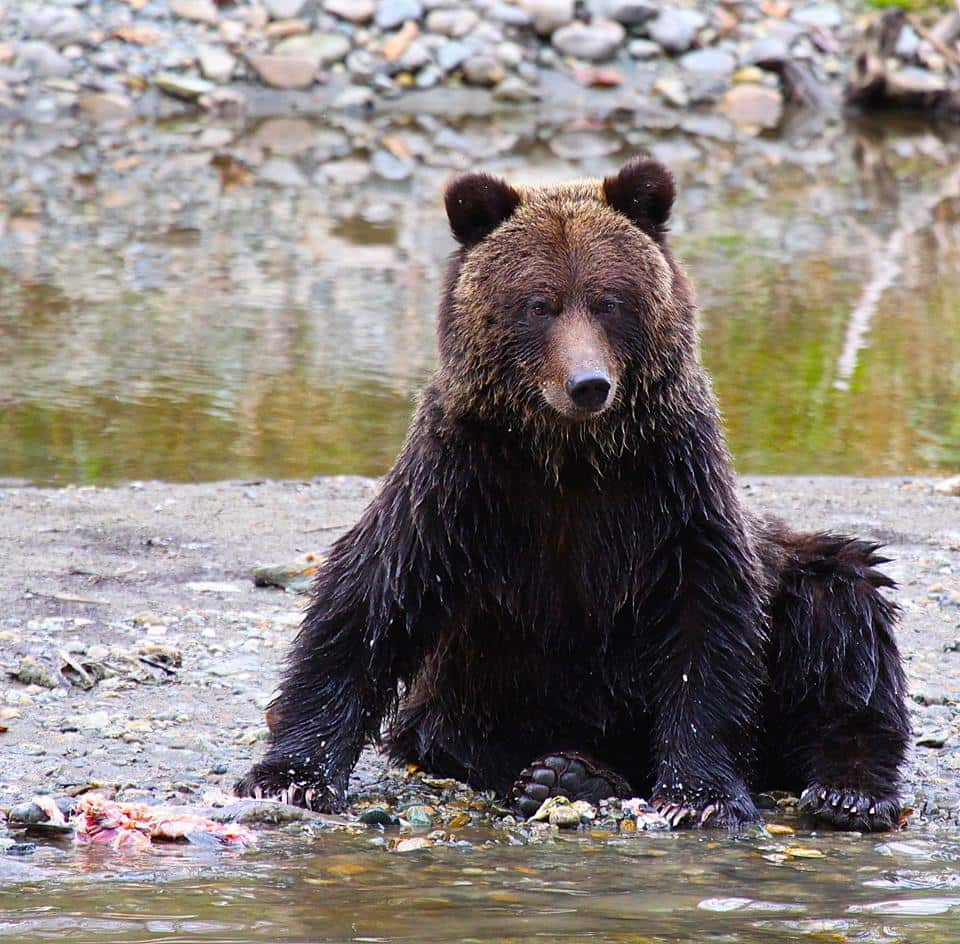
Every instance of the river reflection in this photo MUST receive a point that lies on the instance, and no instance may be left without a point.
(190, 303)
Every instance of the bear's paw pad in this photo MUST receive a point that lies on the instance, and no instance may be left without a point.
(849, 809)
(567, 774)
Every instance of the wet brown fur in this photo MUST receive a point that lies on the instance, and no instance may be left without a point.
(537, 581)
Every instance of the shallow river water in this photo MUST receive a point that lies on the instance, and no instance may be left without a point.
(186, 303)
(644, 889)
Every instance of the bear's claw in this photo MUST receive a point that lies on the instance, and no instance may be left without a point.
(279, 780)
(568, 774)
(848, 809)
(712, 813)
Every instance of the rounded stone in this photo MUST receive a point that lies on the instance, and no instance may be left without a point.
(548, 15)
(594, 41)
(628, 12)
(356, 11)
(285, 72)
(392, 13)
(676, 29)
(482, 69)
(454, 23)
(708, 62)
(321, 48)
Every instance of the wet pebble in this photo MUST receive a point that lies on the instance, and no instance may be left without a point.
(548, 15)
(392, 13)
(286, 71)
(676, 28)
(597, 40)
(41, 60)
(389, 166)
(356, 11)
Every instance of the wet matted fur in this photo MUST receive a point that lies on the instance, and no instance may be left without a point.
(535, 578)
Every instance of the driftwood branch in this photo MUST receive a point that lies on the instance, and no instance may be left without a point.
(876, 82)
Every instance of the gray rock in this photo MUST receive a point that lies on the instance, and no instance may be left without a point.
(548, 15)
(628, 12)
(676, 29)
(597, 40)
(643, 49)
(282, 172)
(356, 11)
(509, 14)
(429, 76)
(708, 62)
(283, 9)
(514, 89)
(389, 166)
(201, 11)
(823, 15)
(455, 23)
(481, 69)
(362, 64)
(56, 24)
(187, 87)
(414, 57)
(767, 49)
(321, 48)
(451, 56)
(510, 54)
(673, 91)
(285, 72)
(392, 13)
(216, 63)
(41, 60)
(349, 172)
(355, 98)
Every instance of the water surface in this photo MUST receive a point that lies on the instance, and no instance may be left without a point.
(646, 888)
(185, 303)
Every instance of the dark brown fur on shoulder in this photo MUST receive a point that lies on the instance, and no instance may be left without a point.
(558, 565)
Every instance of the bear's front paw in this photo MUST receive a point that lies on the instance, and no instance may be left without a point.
(288, 781)
(848, 809)
(569, 774)
(708, 809)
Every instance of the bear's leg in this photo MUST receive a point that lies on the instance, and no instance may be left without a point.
(836, 724)
(569, 774)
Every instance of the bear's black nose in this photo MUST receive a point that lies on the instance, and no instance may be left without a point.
(588, 390)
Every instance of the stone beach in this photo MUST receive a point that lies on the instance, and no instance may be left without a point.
(139, 655)
(114, 60)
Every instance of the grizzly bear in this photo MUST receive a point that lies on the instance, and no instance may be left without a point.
(557, 589)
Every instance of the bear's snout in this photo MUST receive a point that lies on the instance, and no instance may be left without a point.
(589, 390)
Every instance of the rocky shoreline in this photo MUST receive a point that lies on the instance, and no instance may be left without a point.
(138, 654)
(113, 61)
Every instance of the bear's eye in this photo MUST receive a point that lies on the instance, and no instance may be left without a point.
(537, 306)
(608, 305)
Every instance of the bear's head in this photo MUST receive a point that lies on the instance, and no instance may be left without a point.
(563, 301)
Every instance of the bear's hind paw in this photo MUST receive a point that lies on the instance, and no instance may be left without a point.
(569, 774)
(848, 809)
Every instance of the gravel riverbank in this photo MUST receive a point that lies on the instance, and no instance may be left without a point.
(114, 60)
(142, 655)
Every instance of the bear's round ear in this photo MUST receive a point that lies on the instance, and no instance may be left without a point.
(643, 191)
(477, 204)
